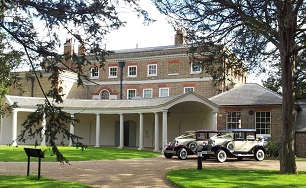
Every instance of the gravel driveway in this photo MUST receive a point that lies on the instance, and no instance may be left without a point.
(128, 173)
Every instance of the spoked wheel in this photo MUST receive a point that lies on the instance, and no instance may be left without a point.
(220, 155)
(193, 146)
(182, 154)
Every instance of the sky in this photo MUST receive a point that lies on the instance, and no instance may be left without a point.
(136, 34)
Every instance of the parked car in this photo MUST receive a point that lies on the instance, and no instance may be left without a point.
(235, 143)
(188, 143)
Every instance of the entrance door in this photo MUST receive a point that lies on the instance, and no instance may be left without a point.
(129, 131)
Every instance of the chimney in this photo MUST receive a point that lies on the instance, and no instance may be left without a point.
(81, 49)
(68, 52)
(179, 37)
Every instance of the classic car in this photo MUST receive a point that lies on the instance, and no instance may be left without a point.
(235, 143)
(187, 144)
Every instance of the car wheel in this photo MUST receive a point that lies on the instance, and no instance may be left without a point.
(182, 154)
(220, 155)
(168, 155)
(192, 146)
(230, 146)
(239, 158)
(259, 155)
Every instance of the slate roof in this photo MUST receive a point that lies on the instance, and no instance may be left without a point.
(300, 123)
(247, 95)
(150, 49)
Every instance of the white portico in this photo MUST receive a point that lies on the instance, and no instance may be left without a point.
(142, 123)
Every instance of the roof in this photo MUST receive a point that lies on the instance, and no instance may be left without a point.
(300, 123)
(114, 105)
(150, 49)
(247, 95)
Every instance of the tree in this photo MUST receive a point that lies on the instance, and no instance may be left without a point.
(9, 60)
(274, 81)
(258, 32)
(33, 28)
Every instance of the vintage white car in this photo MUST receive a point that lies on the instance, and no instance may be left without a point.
(236, 143)
(188, 143)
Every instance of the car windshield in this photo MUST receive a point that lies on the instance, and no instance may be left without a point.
(225, 135)
(187, 135)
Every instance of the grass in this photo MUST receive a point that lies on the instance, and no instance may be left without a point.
(229, 178)
(32, 182)
(17, 154)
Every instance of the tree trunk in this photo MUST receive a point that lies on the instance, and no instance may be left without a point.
(287, 23)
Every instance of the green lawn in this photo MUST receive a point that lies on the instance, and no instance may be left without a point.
(229, 178)
(17, 154)
(32, 182)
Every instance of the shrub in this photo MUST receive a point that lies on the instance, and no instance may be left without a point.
(272, 149)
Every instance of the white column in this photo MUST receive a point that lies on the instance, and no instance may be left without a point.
(14, 128)
(97, 130)
(214, 121)
(43, 124)
(71, 130)
(156, 136)
(140, 132)
(121, 132)
(165, 127)
(1, 129)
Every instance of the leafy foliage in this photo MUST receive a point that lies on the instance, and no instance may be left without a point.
(274, 81)
(33, 28)
(273, 149)
(258, 33)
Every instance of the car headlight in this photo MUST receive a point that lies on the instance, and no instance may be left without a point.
(176, 143)
(213, 143)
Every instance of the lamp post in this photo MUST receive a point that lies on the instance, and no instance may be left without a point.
(121, 65)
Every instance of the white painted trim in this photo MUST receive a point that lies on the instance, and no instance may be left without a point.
(151, 81)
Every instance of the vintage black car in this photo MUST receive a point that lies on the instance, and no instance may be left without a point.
(235, 143)
(188, 143)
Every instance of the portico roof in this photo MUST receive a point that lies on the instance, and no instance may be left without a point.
(114, 105)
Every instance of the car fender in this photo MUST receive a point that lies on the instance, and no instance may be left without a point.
(258, 147)
(183, 146)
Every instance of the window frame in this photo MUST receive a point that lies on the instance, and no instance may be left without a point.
(109, 71)
(147, 89)
(96, 72)
(237, 120)
(128, 93)
(129, 71)
(101, 92)
(192, 71)
(160, 91)
(148, 70)
(264, 125)
(188, 88)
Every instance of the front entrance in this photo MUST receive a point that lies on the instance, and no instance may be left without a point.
(129, 131)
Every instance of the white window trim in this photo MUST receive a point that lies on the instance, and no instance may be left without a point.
(160, 91)
(149, 89)
(239, 122)
(132, 76)
(264, 135)
(109, 68)
(188, 87)
(149, 69)
(94, 77)
(194, 72)
(127, 93)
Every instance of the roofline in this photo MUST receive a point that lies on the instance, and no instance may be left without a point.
(268, 90)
